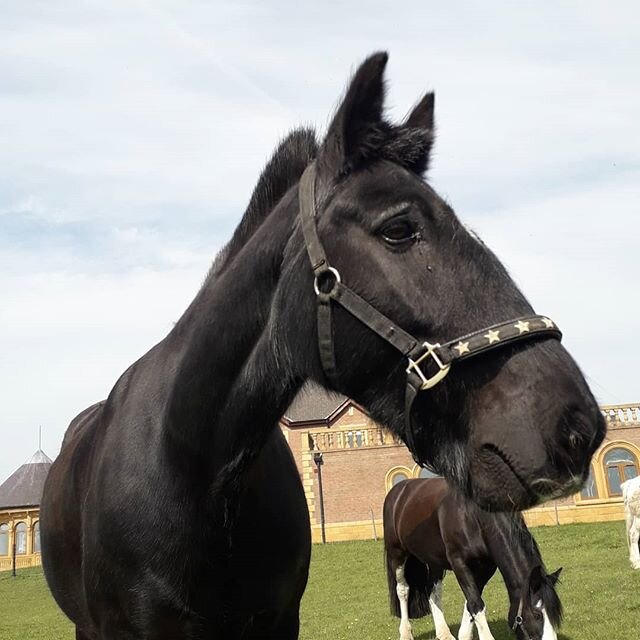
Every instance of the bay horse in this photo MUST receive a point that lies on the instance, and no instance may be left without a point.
(348, 270)
(430, 528)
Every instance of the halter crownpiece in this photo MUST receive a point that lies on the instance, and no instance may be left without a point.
(427, 363)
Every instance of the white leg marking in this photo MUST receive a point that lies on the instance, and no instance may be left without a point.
(466, 625)
(548, 633)
(442, 628)
(484, 633)
(634, 537)
(402, 589)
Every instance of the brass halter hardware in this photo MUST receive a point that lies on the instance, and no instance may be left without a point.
(443, 369)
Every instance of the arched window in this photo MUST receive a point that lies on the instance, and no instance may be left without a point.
(21, 538)
(36, 537)
(4, 539)
(398, 477)
(397, 474)
(590, 489)
(620, 465)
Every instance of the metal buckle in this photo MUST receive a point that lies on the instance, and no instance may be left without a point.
(414, 365)
(334, 272)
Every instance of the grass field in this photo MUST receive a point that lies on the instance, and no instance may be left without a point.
(346, 597)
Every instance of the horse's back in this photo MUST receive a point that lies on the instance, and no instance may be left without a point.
(61, 514)
(410, 513)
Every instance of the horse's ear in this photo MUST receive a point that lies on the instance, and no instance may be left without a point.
(420, 123)
(536, 578)
(555, 576)
(354, 130)
(421, 116)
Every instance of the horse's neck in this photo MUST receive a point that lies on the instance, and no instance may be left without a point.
(513, 554)
(228, 389)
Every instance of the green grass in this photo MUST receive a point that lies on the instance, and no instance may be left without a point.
(27, 610)
(347, 598)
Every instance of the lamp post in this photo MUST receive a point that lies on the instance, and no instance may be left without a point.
(317, 458)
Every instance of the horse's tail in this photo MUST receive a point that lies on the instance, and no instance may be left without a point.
(394, 603)
(420, 586)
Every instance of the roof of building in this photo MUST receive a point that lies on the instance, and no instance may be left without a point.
(314, 404)
(24, 487)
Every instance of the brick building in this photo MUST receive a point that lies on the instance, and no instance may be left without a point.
(360, 462)
(20, 496)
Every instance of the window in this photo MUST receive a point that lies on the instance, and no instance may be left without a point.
(36, 537)
(21, 538)
(4, 539)
(397, 474)
(590, 490)
(354, 439)
(620, 465)
(398, 477)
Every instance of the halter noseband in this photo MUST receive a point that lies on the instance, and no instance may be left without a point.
(440, 357)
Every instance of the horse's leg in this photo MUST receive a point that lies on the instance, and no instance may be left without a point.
(435, 602)
(475, 610)
(466, 624)
(634, 540)
(402, 590)
(80, 635)
(288, 627)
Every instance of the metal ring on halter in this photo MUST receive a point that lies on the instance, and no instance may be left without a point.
(333, 271)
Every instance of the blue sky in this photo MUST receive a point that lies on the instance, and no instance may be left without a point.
(133, 133)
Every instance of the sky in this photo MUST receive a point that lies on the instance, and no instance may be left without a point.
(133, 133)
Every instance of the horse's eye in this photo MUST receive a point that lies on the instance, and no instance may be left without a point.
(398, 232)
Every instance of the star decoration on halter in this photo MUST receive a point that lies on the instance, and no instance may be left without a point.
(492, 336)
(548, 323)
(522, 327)
(462, 348)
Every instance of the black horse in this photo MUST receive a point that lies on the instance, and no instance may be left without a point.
(142, 513)
(430, 528)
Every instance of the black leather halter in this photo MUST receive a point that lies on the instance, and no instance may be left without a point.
(439, 357)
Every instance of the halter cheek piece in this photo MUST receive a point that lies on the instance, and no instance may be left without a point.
(420, 355)
(519, 621)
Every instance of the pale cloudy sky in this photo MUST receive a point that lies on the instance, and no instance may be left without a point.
(133, 132)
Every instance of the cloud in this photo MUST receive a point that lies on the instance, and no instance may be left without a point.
(134, 132)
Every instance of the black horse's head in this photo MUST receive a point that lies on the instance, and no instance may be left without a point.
(538, 614)
(510, 427)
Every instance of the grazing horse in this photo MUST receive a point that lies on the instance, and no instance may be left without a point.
(348, 270)
(430, 528)
(631, 497)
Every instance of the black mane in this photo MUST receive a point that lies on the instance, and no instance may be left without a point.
(282, 171)
(527, 543)
(404, 145)
(552, 603)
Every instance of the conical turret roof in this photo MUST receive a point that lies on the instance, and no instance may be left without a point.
(23, 488)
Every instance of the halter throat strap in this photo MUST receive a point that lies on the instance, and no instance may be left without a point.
(427, 363)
